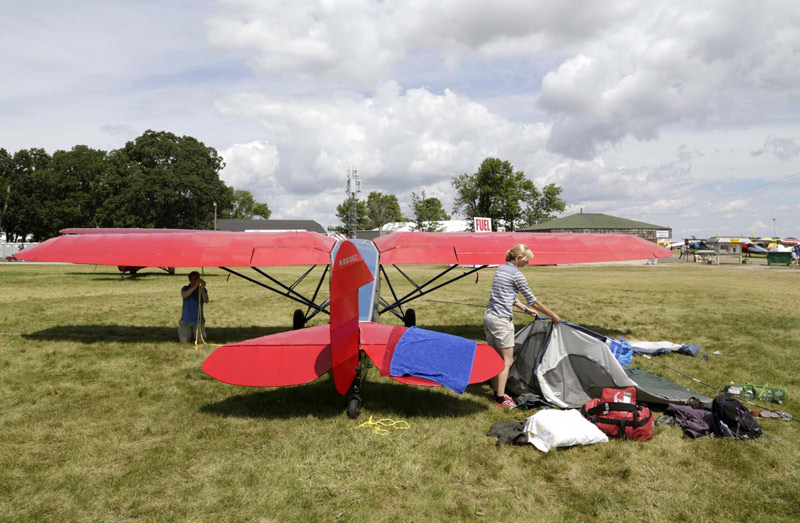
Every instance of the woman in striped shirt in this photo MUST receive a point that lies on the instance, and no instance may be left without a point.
(498, 321)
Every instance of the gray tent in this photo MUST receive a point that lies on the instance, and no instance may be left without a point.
(567, 365)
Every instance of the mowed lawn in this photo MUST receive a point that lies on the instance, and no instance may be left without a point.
(105, 417)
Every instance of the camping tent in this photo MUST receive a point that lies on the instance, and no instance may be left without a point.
(566, 365)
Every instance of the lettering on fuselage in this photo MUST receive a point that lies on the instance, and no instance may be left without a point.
(349, 259)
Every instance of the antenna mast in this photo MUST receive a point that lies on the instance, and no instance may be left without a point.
(353, 189)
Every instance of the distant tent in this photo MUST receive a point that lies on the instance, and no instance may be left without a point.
(566, 365)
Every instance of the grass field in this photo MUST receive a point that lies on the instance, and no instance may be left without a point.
(106, 417)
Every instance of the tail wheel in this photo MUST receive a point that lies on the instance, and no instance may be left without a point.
(354, 407)
(298, 320)
(410, 318)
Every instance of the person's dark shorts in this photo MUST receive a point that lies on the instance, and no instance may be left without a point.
(189, 330)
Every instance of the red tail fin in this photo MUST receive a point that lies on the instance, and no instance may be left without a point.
(349, 273)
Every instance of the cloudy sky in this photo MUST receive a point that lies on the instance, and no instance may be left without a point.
(684, 114)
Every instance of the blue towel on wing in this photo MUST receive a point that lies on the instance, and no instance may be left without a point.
(442, 358)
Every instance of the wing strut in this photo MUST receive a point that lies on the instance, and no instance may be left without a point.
(314, 297)
(291, 293)
(419, 289)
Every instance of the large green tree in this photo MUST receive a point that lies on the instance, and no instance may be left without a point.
(352, 214)
(506, 196)
(245, 207)
(157, 180)
(75, 188)
(26, 175)
(6, 166)
(162, 180)
(427, 213)
(382, 209)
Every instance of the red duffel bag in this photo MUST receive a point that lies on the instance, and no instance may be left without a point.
(616, 413)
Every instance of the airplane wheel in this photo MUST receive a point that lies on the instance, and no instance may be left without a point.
(298, 320)
(410, 318)
(354, 407)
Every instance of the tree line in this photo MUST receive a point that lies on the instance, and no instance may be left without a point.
(494, 191)
(158, 180)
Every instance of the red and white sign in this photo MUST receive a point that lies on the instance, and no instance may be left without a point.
(483, 224)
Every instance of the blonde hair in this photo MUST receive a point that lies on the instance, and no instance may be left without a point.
(519, 250)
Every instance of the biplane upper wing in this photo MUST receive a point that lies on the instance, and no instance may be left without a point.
(179, 248)
(465, 248)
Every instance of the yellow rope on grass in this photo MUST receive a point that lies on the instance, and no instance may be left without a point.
(199, 334)
(379, 426)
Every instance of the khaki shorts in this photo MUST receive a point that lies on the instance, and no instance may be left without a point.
(499, 331)
(189, 330)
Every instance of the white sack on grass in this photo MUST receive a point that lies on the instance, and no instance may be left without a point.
(561, 428)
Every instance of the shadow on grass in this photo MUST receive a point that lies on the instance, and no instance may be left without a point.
(136, 334)
(465, 331)
(605, 331)
(320, 400)
(216, 335)
(117, 276)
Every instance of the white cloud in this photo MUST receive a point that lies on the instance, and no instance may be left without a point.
(250, 165)
(674, 63)
(785, 149)
(401, 141)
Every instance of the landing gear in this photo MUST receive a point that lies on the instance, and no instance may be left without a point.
(354, 407)
(298, 320)
(410, 318)
(354, 403)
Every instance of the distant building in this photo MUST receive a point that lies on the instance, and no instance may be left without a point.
(269, 225)
(597, 223)
(448, 226)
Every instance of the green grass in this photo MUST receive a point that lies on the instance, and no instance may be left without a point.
(106, 417)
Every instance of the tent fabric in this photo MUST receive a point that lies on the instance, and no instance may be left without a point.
(663, 347)
(439, 357)
(660, 386)
(567, 365)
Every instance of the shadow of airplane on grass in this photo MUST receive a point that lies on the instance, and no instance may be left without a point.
(319, 399)
(129, 277)
(137, 334)
(216, 335)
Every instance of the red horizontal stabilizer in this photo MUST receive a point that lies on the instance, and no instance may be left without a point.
(467, 248)
(185, 249)
(288, 358)
(378, 341)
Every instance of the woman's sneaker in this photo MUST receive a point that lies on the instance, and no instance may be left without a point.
(507, 403)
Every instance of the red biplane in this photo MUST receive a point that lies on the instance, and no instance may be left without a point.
(357, 268)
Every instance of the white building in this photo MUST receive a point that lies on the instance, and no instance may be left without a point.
(449, 226)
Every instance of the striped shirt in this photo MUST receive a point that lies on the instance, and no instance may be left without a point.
(508, 282)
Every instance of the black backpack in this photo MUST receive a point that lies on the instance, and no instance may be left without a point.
(732, 420)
